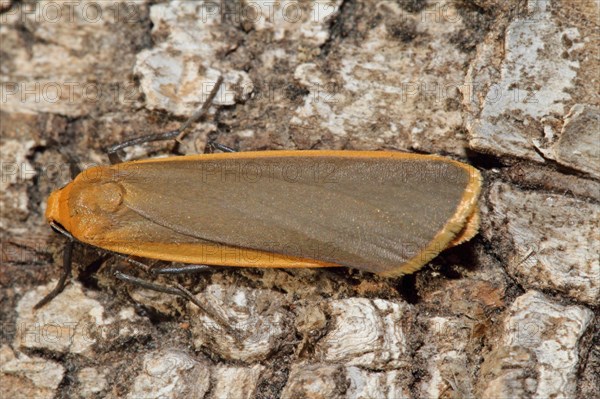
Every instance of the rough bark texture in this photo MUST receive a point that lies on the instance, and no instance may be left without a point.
(509, 86)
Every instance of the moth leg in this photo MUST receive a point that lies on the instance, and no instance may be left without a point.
(176, 289)
(176, 134)
(211, 146)
(165, 270)
(202, 110)
(181, 291)
(183, 269)
(147, 269)
(113, 151)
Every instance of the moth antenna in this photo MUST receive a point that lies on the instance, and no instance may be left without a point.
(62, 283)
